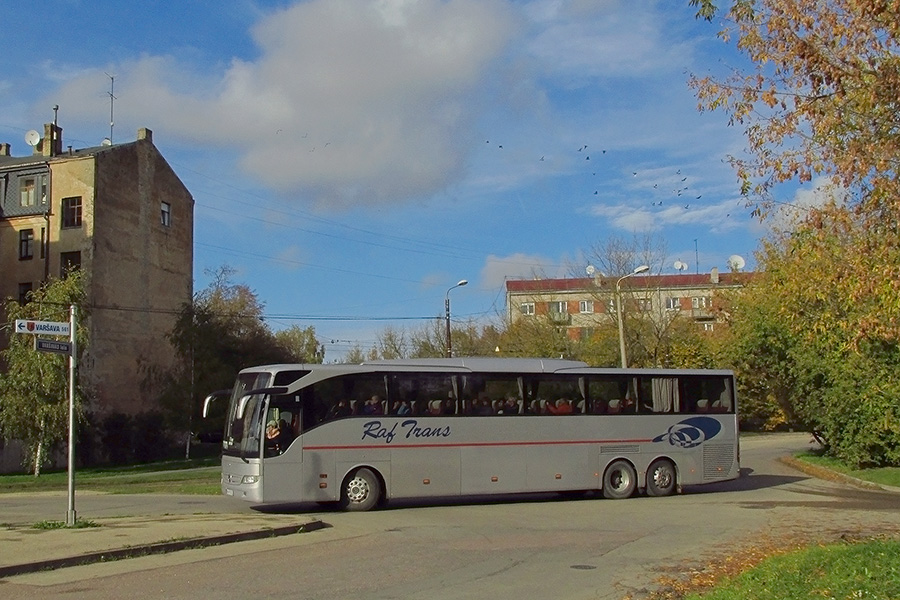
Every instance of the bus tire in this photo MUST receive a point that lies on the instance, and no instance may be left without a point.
(361, 490)
(661, 478)
(619, 480)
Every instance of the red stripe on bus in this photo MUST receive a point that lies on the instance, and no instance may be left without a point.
(474, 445)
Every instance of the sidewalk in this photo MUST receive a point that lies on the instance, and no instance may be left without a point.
(25, 549)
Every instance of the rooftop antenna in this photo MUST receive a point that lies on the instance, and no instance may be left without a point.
(697, 256)
(112, 100)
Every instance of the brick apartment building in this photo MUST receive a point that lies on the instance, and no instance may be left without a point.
(120, 214)
(581, 304)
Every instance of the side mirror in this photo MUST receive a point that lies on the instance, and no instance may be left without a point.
(214, 396)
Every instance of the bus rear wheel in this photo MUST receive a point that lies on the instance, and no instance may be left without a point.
(661, 478)
(619, 480)
(361, 490)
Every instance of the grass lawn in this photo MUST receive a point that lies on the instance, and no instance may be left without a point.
(862, 570)
(198, 476)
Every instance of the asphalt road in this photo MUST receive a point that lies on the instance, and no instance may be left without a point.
(522, 547)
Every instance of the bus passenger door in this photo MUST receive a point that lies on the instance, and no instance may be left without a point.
(282, 465)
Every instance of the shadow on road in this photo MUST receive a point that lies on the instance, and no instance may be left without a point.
(748, 481)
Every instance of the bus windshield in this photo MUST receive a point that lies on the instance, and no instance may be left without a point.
(243, 426)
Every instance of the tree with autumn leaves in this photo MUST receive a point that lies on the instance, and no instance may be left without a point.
(819, 330)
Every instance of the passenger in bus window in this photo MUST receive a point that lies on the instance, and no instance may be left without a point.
(561, 407)
(510, 406)
(373, 406)
(341, 409)
(273, 437)
(402, 408)
(483, 406)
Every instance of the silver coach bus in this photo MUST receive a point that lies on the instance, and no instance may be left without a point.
(363, 434)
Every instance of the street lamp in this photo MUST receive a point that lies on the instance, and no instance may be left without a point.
(638, 270)
(461, 283)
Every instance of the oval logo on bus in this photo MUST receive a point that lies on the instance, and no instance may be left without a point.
(690, 433)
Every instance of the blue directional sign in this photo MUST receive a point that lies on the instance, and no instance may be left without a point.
(42, 345)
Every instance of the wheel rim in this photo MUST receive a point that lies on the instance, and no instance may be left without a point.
(358, 490)
(620, 480)
(662, 478)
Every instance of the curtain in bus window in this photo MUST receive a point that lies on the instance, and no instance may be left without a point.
(726, 396)
(665, 395)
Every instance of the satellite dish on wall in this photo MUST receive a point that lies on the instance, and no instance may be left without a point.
(32, 137)
(590, 270)
(736, 262)
(106, 142)
(680, 265)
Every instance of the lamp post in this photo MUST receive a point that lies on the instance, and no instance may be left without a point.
(638, 270)
(461, 283)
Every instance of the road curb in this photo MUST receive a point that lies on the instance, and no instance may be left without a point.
(829, 475)
(157, 548)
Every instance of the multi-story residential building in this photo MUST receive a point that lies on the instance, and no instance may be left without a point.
(581, 304)
(121, 215)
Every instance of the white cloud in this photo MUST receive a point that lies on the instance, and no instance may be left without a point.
(786, 215)
(717, 218)
(497, 269)
(351, 101)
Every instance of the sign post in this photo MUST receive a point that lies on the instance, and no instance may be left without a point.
(28, 326)
(70, 511)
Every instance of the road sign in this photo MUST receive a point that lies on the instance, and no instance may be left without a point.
(42, 345)
(45, 327)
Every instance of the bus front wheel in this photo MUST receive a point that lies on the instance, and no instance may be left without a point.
(619, 480)
(661, 478)
(361, 490)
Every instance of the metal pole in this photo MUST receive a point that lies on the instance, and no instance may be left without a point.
(447, 313)
(638, 270)
(461, 283)
(70, 512)
(621, 324)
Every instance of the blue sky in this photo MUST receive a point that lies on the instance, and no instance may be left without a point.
(353, 159)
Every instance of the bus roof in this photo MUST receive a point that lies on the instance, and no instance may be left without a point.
(474, 364)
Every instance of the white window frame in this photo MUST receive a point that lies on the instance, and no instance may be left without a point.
(558, 307)
(527, 308)
(165, 214)
(586, 306)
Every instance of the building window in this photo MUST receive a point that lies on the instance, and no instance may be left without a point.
(558, 307)
(26, 244)
(699, 302)
(27, 189)
(43, 242)
(644, 304)
(71, 212)
(24, 292)
(68, 262)
(165, 214)
(708, 326)
(673, 303)
(586, 306)
(32, 189)
(527, 308)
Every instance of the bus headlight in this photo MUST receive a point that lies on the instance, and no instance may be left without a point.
(249, 479)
